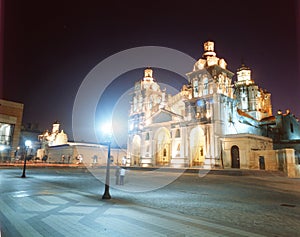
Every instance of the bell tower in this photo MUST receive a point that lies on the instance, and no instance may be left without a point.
(209, 49)
(148, 75)
(244, 75)
(250, 98)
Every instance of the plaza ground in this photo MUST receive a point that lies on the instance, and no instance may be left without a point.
(66, 201)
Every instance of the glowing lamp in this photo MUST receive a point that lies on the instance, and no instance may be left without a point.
(28, 143)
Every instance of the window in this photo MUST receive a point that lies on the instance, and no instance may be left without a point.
(177, 134)
(292, 128)
(205, 86)
(210, 89)
(147, 136)
(195, 88)
(6, 131)
(134, 104)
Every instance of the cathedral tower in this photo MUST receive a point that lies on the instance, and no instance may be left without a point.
(146, 100)
(210, 102)
(251, 99)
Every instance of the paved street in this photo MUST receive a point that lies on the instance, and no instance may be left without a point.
(67, 202)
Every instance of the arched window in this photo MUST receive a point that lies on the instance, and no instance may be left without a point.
(292, 127)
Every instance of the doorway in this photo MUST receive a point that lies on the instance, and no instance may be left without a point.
(235, 157)
(262, 165)
(197, 146)
(163, 147)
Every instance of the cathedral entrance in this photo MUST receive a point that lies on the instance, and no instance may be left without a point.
(136, 150)
(162, 147)
(197, 146)
(235, 157)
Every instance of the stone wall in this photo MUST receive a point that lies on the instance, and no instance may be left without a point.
(269, 157)
(288, 163)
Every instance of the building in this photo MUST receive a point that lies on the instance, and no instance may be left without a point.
(54, 138)
(211, 122)
(55, 148)
(11, 114)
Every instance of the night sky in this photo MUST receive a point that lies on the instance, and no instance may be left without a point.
(50, 46)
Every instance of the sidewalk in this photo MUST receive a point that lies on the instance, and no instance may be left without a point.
(215, 171)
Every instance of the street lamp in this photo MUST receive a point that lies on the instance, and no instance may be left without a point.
(27, 146)
(107, 137)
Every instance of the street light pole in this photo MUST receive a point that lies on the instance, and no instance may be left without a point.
(106, 194)
(27, 145)
(24, 166)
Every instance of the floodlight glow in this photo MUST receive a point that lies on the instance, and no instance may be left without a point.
(106, 129)
(28, 143)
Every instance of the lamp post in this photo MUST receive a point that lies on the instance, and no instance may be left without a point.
(106, 194)
(27, 146)
(108, 133)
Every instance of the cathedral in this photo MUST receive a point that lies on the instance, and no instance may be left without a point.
(212, 122)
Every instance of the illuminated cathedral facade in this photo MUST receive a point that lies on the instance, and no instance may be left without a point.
(212, 122)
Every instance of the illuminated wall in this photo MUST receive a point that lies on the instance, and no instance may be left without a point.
(10, 127)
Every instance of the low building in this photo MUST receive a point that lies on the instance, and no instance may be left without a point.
(55, 148)
(84, 153)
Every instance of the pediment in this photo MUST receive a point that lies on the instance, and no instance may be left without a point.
(163, 116)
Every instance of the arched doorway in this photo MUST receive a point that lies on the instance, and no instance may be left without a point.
(162, 138)
(136, 150)
(235, 157)
(197, 146)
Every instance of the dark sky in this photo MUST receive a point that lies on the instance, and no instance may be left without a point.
(50, 46)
